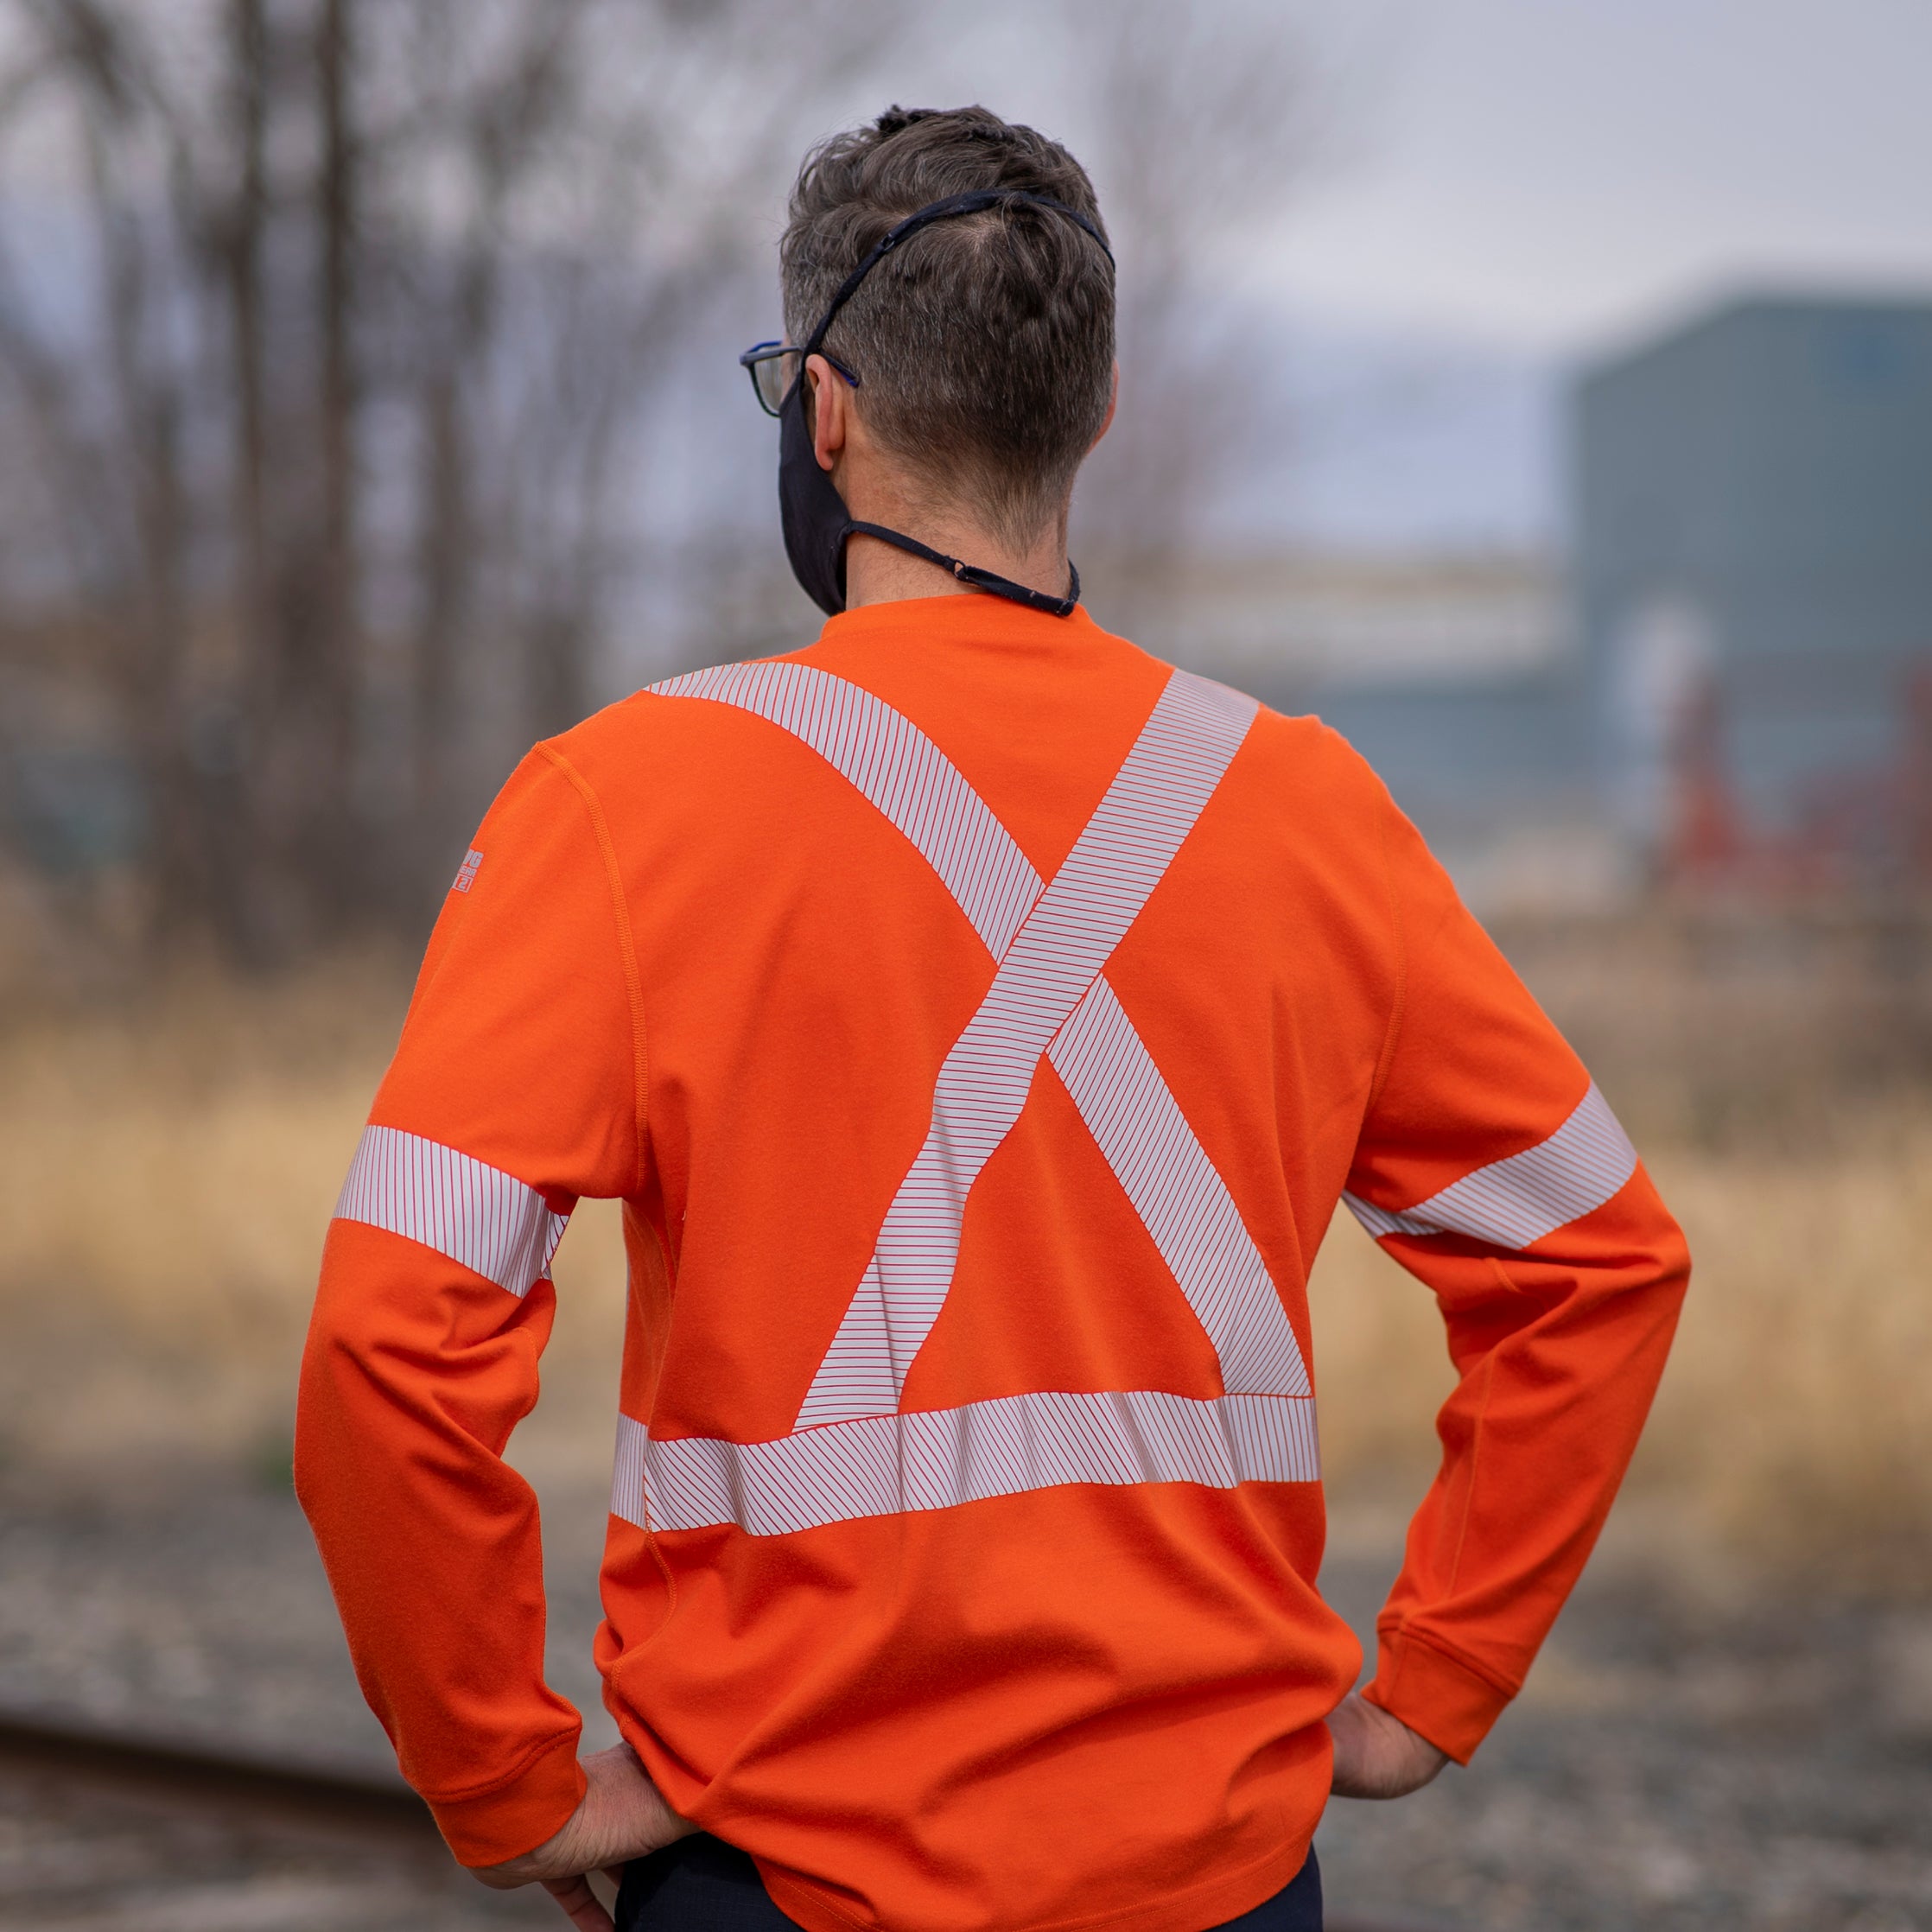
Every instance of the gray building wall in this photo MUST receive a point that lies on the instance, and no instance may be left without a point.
(1495, 771)
(1752, 510)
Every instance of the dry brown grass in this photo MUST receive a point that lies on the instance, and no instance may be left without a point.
(1793, 1427)
(170, 1167)
(170, 1170)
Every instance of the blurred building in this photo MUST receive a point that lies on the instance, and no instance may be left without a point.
(1725, 684)
(1752, 556)
(1458, 678)
(1728, 687)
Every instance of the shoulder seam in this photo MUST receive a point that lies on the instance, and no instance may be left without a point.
(627, 949)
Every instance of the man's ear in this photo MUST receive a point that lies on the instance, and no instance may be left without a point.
(1112, 400)
(829, 402)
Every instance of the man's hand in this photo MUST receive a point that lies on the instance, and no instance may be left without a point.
(1377, 1756)
(619, 1817)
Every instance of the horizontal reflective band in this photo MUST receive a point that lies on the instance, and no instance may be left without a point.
(940, 1458)
(478, 1216)
(1513, 1203)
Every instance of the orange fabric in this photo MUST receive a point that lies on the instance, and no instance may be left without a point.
(696, 970)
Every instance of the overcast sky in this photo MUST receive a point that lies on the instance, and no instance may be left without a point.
(1549, 170)
(1547, 174)
(1554, 174)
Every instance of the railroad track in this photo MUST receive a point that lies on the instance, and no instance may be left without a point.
(362, 1800)
(106, 1833)
(101, 1832)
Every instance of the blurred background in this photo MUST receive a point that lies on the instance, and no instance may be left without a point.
(1541, 393)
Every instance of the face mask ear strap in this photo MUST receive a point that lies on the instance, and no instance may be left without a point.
(971, 573)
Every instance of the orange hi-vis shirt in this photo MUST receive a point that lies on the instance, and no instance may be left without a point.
(980, 1022)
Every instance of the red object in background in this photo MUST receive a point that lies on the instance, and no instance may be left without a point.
(1916, 777)
(1869, 827)
(1706, 843)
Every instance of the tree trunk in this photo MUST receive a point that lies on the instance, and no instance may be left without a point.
(335, 638)
(443, 571)
(255, 644)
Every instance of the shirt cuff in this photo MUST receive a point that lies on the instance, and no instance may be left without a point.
(486, 1827)
(1435, 1695)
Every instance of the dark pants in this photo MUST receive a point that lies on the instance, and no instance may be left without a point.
(702, 1884)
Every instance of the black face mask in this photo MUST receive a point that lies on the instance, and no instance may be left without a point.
(811, 512)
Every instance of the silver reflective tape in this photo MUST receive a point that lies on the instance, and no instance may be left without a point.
(1179, 1196)
(1514, 1203)
(1063, 943)
(897, 768)
(473, 1214)
(941, 1458)
(1120, 1092)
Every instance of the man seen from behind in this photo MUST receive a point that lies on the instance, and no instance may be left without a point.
(980, 1022)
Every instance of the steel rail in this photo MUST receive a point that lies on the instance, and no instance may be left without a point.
(367, 1801)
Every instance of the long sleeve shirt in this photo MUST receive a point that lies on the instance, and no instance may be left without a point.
(980, 1022)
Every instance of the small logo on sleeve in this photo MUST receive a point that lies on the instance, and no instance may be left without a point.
(466, 874)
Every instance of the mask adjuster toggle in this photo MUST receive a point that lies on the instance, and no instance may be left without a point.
(972, 573)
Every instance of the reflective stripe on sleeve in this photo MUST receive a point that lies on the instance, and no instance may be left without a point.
(473, 1214)
(1514, 1203)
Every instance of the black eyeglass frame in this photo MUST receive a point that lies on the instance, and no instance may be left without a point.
(769, 352)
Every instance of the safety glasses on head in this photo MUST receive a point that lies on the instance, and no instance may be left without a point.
(773, 367)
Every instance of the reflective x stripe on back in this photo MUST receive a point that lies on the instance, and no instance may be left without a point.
(852, 1453)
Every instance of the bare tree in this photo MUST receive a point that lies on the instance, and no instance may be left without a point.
(376, 306)
(1207, 117)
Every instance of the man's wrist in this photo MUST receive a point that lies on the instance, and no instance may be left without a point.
(513, 1819)
(1376, 1755)
(1436, 1695)
(622, 1815)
